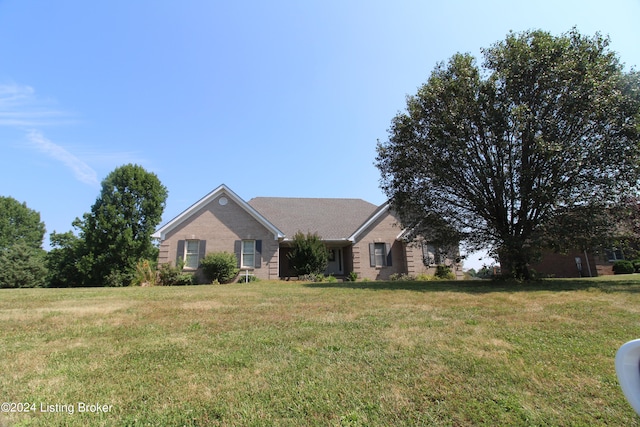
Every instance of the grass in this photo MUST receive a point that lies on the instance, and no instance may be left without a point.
(338, 354)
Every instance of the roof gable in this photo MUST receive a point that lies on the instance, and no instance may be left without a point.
(222, 189)
(379, 213)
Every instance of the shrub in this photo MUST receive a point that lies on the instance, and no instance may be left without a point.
(308, 255)
(331, 279)
(636, 265)
(352, 277)
(145, 274)
(246, 278)
(220, 266)
(401, 277)
(312, 277)
(169, 275)
(443, 272)
(623, 267)
(117, 279)
(185, 279)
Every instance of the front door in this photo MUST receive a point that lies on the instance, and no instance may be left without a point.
(335, 265)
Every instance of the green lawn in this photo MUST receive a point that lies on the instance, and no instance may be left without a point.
(284, 353)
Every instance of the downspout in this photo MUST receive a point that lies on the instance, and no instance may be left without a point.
(586, 257)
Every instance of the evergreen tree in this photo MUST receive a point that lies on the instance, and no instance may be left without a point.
(22, 263)
(309, 255)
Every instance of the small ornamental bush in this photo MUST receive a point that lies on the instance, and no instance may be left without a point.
(623, 267)
(246, 278)
(169, 275)
(444, 272)
(145, 274)
(220, 266)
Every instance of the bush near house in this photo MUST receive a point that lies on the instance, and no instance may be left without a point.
(169, 275)
(220, 267)
(444, 272)
(623, 267)
(308, 256)
(146, 273)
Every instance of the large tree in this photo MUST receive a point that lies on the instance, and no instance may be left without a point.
(116, 234)
(19, 223)
(21, 255)
(531, 150)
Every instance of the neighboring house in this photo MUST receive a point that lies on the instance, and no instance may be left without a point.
(578, 263)
(360, 237)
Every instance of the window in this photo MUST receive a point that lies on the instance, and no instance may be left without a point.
(247, 257)
(430, 254)
(191, 254)
(380, 254)
(614, 254)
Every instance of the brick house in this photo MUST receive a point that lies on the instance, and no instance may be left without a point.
(360, 237)
(578, 263)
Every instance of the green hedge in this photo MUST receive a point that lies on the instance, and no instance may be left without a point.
(623, 267)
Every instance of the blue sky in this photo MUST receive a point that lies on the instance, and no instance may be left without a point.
(277, 98)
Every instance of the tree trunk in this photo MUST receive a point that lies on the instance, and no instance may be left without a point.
(514, 262)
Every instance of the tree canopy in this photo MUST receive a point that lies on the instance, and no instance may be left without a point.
(532, 150)
(116, 234)
(21, 254)
(18, 223)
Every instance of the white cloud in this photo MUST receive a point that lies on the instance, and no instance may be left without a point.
(81, 170)
(10, 94)
(19, 107)
(22, 109)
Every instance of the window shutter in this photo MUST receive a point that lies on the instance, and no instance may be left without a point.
(237, 248)
(258, 255)
(372, 254)
(180, 252)
(387, 249)
(202, 250)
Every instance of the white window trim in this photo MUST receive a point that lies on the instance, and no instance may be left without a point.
(383, 260)
(186, 252)
(242, 264)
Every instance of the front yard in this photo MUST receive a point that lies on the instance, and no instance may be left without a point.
(284, 353)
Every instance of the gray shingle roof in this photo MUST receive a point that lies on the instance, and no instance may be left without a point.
(332, 219)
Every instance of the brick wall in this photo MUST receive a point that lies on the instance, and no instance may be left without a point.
(564, 265)
(384, 230)
(221, 226)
